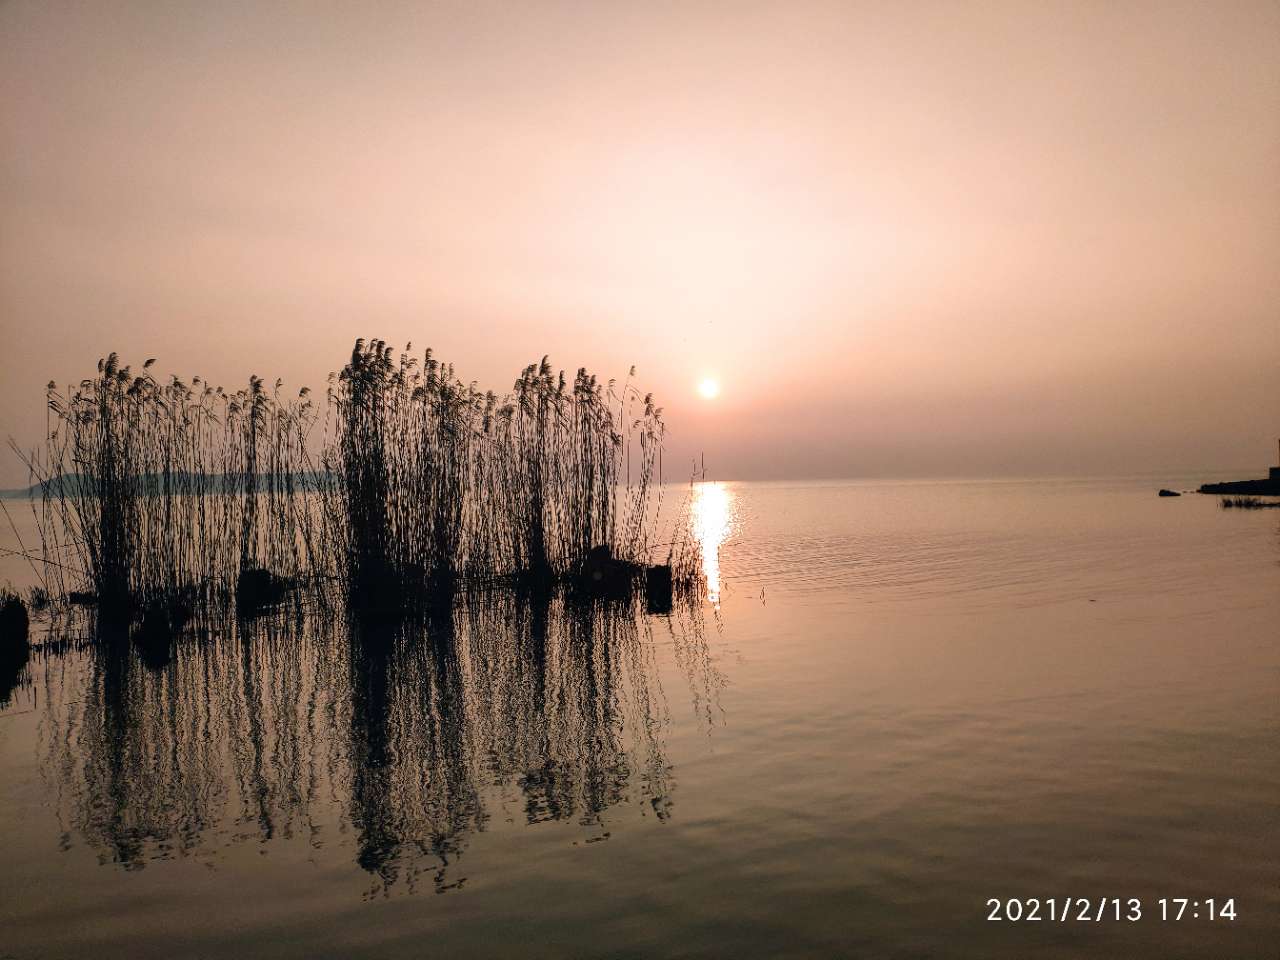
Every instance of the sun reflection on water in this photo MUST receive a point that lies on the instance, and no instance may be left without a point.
(712, 520)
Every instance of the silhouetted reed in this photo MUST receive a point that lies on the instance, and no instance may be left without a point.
(401, 451)
(160, 497)
(438, 482)
(561, 449)
(157, 496)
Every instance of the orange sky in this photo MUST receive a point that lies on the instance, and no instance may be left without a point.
(908, 238)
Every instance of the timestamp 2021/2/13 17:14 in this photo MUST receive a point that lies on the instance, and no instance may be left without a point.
(1098, 909)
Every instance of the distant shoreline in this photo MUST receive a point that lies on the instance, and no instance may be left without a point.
(315, 480)
(68, 484)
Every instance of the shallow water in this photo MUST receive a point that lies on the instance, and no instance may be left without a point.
(904, 699)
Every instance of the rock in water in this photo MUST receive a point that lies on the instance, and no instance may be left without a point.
(258, 589)
(14, 623)
(658, 588)
(14, 646)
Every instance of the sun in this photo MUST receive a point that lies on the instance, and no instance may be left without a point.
(709, 388)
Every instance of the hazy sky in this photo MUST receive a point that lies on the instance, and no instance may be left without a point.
(908, 238)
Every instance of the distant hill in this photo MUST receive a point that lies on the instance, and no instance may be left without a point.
(75, 484)
(68, 482)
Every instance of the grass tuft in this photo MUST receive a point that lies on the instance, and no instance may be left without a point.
(1248, 503)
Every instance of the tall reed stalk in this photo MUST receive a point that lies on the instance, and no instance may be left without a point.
(164, 494)
(160, 493)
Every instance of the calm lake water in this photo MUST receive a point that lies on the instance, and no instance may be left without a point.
(906, 698)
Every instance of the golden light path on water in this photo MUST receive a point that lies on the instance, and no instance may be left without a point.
(712, 521)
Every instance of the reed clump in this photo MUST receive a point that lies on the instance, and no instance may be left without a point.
(159, 494)
(401, 452)
(438, 482)
(162, 496)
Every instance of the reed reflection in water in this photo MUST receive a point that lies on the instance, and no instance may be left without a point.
(403, 736)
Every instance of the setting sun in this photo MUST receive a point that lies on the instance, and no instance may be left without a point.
(709, 388)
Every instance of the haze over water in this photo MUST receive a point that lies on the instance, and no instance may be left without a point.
(907, 239)
(906, 698)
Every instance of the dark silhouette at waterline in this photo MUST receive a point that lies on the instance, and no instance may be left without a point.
(1270, 487)
(1248, 503)
(157, 498)
(1244, 488)
(15, 646)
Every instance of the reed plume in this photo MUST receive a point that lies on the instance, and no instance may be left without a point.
(160, 495)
